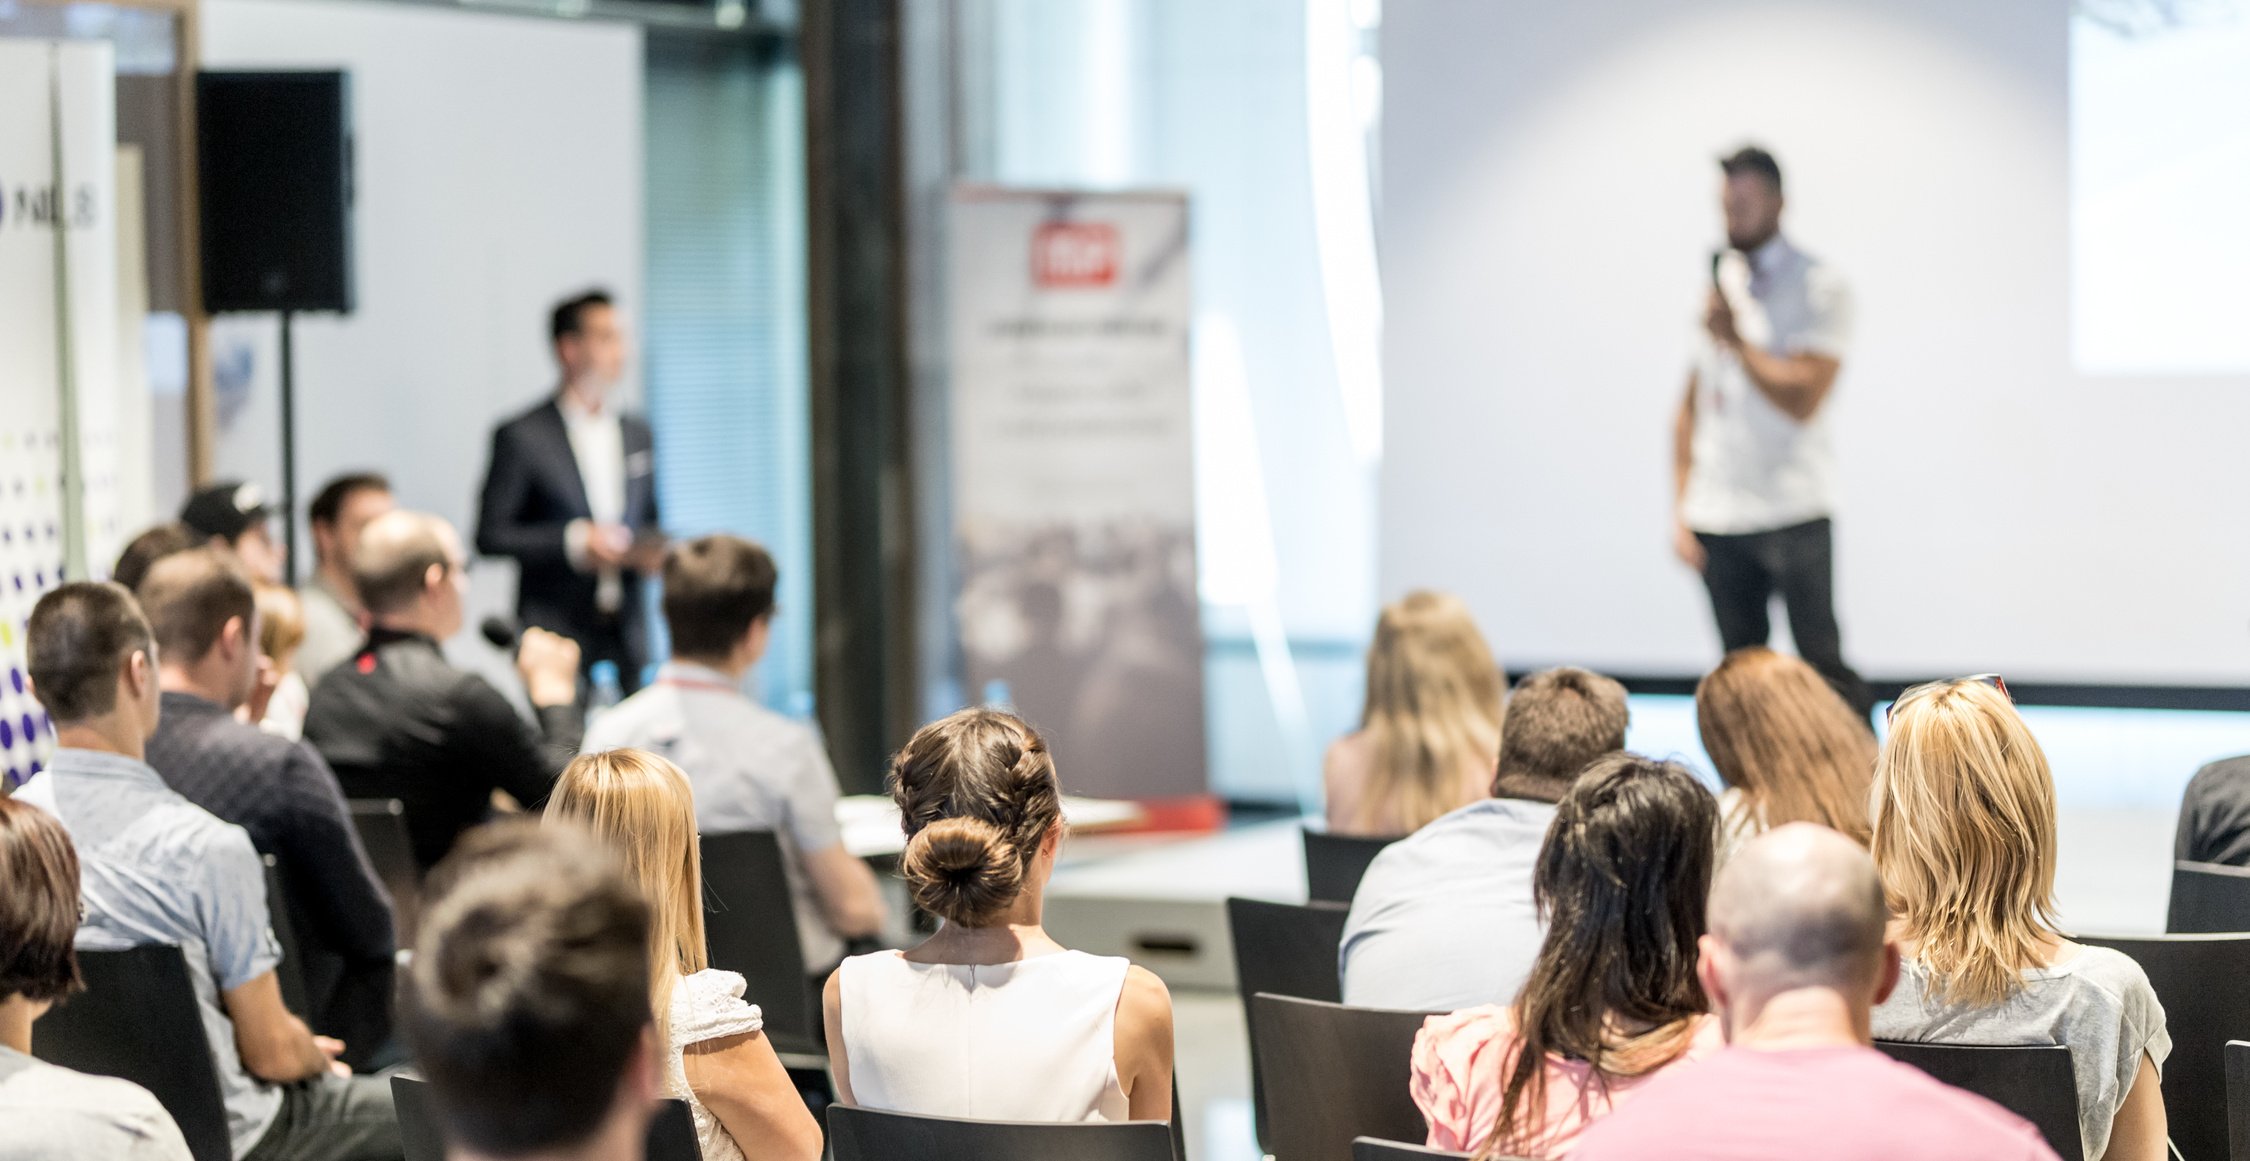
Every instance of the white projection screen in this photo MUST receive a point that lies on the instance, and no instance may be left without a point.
(1548, 203)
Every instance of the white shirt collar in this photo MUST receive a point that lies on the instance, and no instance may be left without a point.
(575, 411)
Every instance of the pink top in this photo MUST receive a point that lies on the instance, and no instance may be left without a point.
(1461, 1061)
(1838, 1104)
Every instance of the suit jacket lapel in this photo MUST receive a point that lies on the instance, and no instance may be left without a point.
(561, 459)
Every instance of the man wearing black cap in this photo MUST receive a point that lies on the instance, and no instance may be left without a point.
(237, 515)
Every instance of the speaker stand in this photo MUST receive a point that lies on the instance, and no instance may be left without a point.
(288, 454)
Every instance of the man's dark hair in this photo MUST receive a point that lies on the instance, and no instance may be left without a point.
(1751, 159)
(714, 588)
(39, 908)
(188, 598)
(529, 990)
(1556, 722)
(78, 640)
(151, 546)
(391, 575)
(333, 495)
(570, 314)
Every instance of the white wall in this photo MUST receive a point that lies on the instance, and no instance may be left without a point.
(1548, 202)
(499, 169)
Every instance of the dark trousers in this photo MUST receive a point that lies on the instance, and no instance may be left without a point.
(1744, 572)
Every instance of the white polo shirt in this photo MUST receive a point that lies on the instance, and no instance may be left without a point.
(752, 769)
(1754, 468)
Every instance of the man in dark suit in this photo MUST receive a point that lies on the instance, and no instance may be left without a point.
(571, 495)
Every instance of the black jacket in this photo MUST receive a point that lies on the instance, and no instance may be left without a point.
(2215, 814)
(399, 721)
(532, 491)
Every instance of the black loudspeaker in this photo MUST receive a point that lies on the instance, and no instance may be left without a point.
(274, 157)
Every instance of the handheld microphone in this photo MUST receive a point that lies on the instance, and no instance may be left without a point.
(501, 631)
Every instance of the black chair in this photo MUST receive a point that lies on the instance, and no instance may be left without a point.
(2238, 1100)
(1332, 1073)
(2034, 1082)
(1370, 1149)
(381, 823)
(281, 919)
(2208, 897)
(1286, 949)
(1335, 863)
(671, 1132)
(750, 926)
(138, 1019)
(856, 1134)
(2203, 981)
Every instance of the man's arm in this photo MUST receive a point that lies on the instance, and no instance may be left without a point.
(850, 899)
(1795, 383)
(275, 1045)
(1684, 543)
(514, 756)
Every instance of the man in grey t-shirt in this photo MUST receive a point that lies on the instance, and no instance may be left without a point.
(1444, 918)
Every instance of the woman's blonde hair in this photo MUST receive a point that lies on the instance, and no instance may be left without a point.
(1779, 733)
(643, 806)
(1433, 708)
(281, 622)
(1964, 835)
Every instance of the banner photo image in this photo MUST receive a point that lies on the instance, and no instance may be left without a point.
(1073, 480)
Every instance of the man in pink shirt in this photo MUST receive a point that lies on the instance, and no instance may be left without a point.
(1795, 959)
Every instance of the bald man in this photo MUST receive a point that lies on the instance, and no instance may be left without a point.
(400, 721)
(1795, 960)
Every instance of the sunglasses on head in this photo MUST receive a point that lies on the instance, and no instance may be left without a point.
(1991, 679)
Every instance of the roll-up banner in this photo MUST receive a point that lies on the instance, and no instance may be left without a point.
(58, 343)
(1074, 481)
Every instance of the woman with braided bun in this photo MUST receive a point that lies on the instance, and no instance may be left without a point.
(990, 1018)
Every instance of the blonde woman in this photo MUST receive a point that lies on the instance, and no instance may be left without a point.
(717, 1058)
(281, 630)
(1429, 736)
(1964, 835)
(1786, 746)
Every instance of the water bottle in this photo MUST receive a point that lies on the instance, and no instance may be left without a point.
(607, 689)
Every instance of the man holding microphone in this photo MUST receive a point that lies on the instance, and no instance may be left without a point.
(1753, 467)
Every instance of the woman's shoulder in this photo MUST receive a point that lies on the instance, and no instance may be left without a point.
(1454, 1041)
(1143, 1002)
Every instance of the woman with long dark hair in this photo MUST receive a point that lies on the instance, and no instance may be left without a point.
(1613, 997)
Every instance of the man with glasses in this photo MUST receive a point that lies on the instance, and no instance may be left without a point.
(400, 721)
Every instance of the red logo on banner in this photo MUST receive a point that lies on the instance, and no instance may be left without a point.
(1068, 254)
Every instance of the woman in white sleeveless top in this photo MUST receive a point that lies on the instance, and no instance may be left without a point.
(990, 1018)
(716, 1055)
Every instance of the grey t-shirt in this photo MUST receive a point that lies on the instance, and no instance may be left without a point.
(2097, 1003)
(51, 1112)
(1444, 918)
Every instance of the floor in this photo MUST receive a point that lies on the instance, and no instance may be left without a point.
(2118, 776)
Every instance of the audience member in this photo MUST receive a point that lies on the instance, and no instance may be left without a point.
(152, 545)
(200, 608)
(281, 633)
(1430, 731)
(159, 869)
(1795, 957)
(753, 769)
(2215, 815)
(1964, 836)
(400, 721)
(335, 621)
(1613, 998)
(53, 1112)
(1444, 918)
(1785, 744)
(716, 1057)
(1057, 1035)
(527, 1001)
(237, 516)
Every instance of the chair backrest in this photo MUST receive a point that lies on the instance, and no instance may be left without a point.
(2238, 1100)
(1332, 1073)
(2032, 1081)
(1286, 949)
(381, 823)
(281, 919)
(138, 1019)
(750, 926)
(1335, 863)
(2208, 897)
(671, 1132)
(857, 1134)
(2203, 981)
(1370, 1149)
